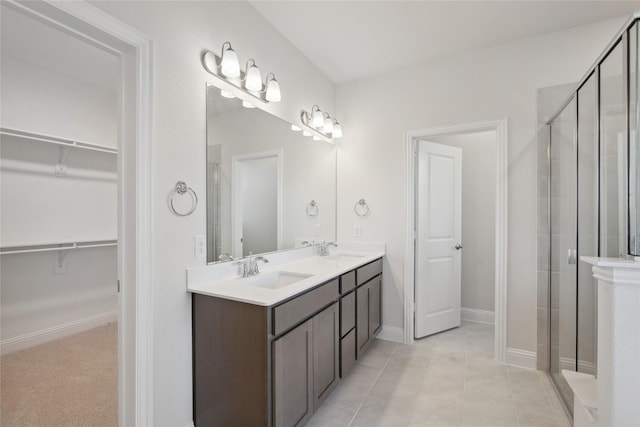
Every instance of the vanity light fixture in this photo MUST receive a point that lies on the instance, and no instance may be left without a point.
(325, 128)
(227, 94)
(247, 104)
(249, 81)
(337, 130)
(328, 124)
(229, 65)
(317, 121)
(272, 91)
(252, 77)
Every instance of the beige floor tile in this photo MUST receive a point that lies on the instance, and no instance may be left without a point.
(439, 369)
(480, 345)
(379, 353)
(400, 384)
(376, 411)
(444, 356)
(489, 412)
(436, 411)
(411, 355)
(354, 388)
(331, 416)
(536, 412)
(484, 386)
(442, 380)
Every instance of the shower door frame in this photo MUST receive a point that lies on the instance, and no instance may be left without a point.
(622, 39)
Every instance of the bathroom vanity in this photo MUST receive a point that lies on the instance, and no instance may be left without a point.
(269, 349)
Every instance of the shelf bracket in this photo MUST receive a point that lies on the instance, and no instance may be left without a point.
(61, 167)
(61, 264)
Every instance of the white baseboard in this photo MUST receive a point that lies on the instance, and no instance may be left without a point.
(391, 333)
(49, 334)
(521, 358)
(477, 316)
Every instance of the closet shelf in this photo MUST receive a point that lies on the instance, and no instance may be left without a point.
(63, 246)
(56, 140)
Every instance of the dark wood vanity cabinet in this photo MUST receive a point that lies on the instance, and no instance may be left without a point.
(368, 305)
(275, 366)
(347, 322)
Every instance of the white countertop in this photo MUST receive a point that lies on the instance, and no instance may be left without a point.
(612, 262)
(214, 280)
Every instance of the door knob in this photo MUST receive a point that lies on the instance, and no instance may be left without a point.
(458, 246)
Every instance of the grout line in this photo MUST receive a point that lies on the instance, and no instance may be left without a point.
(513, 400)
(372, 385)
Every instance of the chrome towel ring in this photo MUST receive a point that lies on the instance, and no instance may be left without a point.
(181, 189)
(361, 208)
(312, 208)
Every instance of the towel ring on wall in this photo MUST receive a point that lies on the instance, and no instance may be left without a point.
(312, 208)
(361, 208)
(181, 189)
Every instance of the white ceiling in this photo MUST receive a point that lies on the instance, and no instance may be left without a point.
(350, 40)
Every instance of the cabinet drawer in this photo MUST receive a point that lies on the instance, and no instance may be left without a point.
(294, 311)
(347, 282)
(367, 272)
(347, 352)
(347, 313)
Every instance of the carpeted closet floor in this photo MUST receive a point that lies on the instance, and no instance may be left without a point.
(69, 382)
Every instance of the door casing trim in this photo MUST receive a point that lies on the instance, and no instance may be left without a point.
(501, 220)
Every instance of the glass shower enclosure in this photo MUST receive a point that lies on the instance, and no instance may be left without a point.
(593, 193)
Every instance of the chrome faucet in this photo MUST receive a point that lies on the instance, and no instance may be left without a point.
(225, 257)
(254, 266)
(323, 248)
(250, 265)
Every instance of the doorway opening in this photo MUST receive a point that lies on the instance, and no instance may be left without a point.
(257, 202)
(134, 222)
(473, 304)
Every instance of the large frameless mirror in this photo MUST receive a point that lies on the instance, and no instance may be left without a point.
(268, 188)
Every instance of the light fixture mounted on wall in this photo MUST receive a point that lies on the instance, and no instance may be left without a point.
(320, 125)
(226, 68)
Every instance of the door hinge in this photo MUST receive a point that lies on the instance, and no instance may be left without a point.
(118, 286)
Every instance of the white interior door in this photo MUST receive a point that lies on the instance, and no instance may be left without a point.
(257, 200)
(438, 238)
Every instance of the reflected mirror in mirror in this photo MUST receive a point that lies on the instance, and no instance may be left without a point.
(261, 179)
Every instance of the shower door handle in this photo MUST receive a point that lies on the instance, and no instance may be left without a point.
(572, 256)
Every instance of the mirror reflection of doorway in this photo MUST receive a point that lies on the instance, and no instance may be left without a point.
(257, 190)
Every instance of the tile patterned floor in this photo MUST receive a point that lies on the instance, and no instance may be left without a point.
(448, 379)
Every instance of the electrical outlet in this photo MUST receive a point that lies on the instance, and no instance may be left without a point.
(200, 245)
(316, 230)
(357, 230)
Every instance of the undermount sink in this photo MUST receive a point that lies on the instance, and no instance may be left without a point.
(275, 280)
(344, 257)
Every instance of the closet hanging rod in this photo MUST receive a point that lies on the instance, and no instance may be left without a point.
(56, 140)
(22, 249)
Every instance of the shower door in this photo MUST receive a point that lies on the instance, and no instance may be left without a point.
(563, 253)
(593, 189)
(574, 193)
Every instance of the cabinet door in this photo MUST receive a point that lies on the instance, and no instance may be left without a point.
(347, 313)
(293, 377)
(375, 308)
(363, 324)
(325, 353)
